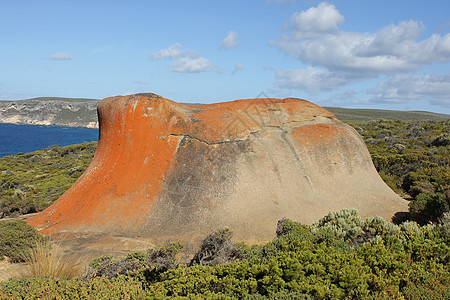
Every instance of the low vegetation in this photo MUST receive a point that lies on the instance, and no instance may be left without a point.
(45, 259)
(31, 182)
(413, 158)
(16, 239)
(339, 257)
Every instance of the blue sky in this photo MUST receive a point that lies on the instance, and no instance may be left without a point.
(360, 54)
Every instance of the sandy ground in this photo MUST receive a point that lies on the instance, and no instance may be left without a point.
(84, 247)
(8, 270)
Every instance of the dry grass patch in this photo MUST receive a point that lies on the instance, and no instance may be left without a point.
(47, 259)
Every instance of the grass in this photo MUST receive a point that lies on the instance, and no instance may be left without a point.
(45, 259)
(31, 182)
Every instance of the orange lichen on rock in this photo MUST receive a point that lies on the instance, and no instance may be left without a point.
(127, 165)
(165, 170)
(317, 134)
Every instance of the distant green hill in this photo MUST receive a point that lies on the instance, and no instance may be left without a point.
(351, 114)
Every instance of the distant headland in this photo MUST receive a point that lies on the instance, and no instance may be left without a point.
(71, 112)
(82, 112)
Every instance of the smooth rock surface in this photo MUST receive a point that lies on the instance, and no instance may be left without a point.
(165, 170)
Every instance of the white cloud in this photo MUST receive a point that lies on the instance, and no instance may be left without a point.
(230, 41)
(238, 67)
(187, 61)
(173, 51)
(345, 95)
(404, 88)
(343, 57)
(440, 102)
(392, 49)
(61, 56)
(316, 21)
(192, 65)
(311, 79)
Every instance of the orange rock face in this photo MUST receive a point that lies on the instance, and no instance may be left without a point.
(165, 170)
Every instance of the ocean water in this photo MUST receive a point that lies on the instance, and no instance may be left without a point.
(28, 138)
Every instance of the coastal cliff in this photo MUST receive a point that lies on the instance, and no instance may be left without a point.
(71, 112)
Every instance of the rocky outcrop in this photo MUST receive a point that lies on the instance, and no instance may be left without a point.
(165, 170)
(50, 111)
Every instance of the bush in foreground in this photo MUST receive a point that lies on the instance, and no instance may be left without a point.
(303, 262)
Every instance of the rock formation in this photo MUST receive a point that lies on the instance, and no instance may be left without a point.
(165, 170)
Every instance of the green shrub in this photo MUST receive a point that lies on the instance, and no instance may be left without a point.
(111, 267)
(379, 226)
(344, 224)
(17, 238)
(445, 226)
(408, 261)
(291, 236)
(427, 283)
(411, 228)
(442, 140)
(286, 226)
(332, 237)
(281, 296)
(428, 207)
(390, 180)
(46, 288)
